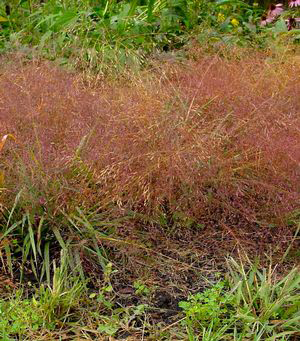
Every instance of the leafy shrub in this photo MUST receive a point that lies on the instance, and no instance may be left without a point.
(113, 35)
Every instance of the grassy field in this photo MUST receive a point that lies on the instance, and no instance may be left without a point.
(149, 172)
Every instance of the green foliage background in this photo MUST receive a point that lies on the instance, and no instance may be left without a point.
(91, 33)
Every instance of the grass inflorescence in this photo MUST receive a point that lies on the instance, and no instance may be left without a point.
(105, 174)
(149, 188)
(200, 138)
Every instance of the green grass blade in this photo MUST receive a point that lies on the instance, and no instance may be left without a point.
(8, 258)
(150, 10)
(59, 238)
(39, 236)
(47, 262)
(133, 6)
(8, 231)
(14, 207)
(31, 235)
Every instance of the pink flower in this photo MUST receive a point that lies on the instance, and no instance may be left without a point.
(294, 3)
(273, 12)
(276, 10)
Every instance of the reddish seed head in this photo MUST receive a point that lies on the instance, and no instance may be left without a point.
(227, 140)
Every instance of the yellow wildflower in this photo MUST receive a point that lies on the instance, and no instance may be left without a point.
(235, 22)
(221, 17)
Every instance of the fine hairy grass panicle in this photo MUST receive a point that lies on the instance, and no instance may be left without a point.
(204, 138)
(143, 144)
